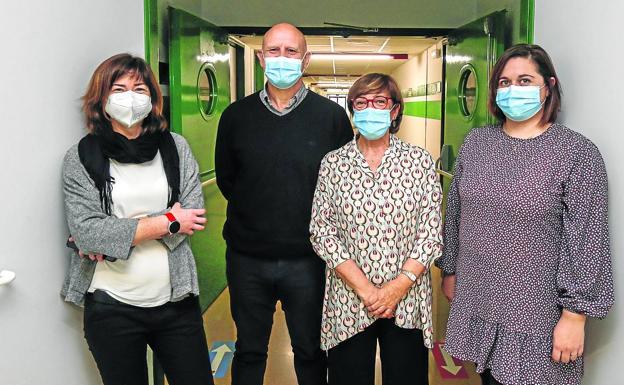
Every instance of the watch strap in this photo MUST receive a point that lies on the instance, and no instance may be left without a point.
(412, 277)
(170, 217)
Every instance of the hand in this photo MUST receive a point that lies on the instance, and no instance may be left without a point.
(369, 295)
(93, 257)
(569, 337)
(191, 220)
(448, 286)
(389, 296)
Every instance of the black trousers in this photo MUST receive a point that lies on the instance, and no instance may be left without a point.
(255, 286)
(118, 335)
(487, 379)
(404, 357)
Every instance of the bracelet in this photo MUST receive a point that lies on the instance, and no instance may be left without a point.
(412, 277)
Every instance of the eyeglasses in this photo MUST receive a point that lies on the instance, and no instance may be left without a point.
(379, 102)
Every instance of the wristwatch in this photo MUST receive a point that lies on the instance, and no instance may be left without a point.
(174, 225)
(412, 277)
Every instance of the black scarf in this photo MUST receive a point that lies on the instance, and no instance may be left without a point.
(95, 151)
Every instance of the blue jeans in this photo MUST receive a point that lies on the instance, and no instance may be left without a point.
(255, 285)
(118, 335)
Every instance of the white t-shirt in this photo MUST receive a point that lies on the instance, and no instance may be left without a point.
(143, 279)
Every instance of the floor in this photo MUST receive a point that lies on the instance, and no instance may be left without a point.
(221, 334)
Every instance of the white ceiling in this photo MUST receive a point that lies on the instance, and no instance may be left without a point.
(347, 70)
(366, 13)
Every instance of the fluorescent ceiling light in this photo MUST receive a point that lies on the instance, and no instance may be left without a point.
(335, 85)
(333, 56)
(336, 90)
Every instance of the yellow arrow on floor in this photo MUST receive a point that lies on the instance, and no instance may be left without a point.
(450, 363)
(221, 351)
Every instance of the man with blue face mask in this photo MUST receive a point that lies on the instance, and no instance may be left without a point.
(269, 148)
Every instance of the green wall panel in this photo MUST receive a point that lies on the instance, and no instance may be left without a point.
(431, 109)
(194, 47)
(258, 75)
(209, 247)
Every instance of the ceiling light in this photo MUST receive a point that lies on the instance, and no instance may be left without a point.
(350, 56)
(383, 45)
(335, 85)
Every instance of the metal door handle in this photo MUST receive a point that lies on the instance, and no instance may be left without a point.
(6, 277)
(442, 163)
(442, 172)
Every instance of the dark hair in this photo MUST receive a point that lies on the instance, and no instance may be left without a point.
(376, 82)
(545, 67)
(100, 85)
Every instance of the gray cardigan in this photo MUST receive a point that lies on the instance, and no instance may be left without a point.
(98, 233)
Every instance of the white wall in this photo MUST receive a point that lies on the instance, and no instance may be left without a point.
(250, 74)
(49, 50)
(411, 74)
(419, 70)
(583, 41)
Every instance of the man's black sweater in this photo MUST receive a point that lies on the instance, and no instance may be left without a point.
(267, 166)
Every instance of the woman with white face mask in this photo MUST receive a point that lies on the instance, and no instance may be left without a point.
(132, 198)
(526, 257)
(376, 223)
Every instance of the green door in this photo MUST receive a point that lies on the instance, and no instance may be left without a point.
(199, 81)
(471, 53)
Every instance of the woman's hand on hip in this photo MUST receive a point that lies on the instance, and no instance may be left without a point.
(191, 220)
(448, 286)
(569, 337)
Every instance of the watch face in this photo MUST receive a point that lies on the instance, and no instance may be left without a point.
(174, 227)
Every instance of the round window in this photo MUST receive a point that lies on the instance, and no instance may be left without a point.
(207, 90)
(467, 91)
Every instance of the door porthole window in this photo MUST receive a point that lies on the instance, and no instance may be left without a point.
(207, 90)
(468, 89)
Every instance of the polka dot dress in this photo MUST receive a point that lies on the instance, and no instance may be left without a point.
(526, 234)
(378, 219)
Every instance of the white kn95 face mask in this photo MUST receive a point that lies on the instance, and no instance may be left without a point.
(128, 108)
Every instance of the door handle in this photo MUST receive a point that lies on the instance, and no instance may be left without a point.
(6, 277)
(442, 163)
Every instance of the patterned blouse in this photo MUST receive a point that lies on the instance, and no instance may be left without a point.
(526, 234)
(378, 219)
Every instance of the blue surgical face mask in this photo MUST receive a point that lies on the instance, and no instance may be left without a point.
(519, 103)
(282, 72)
(372, 123)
